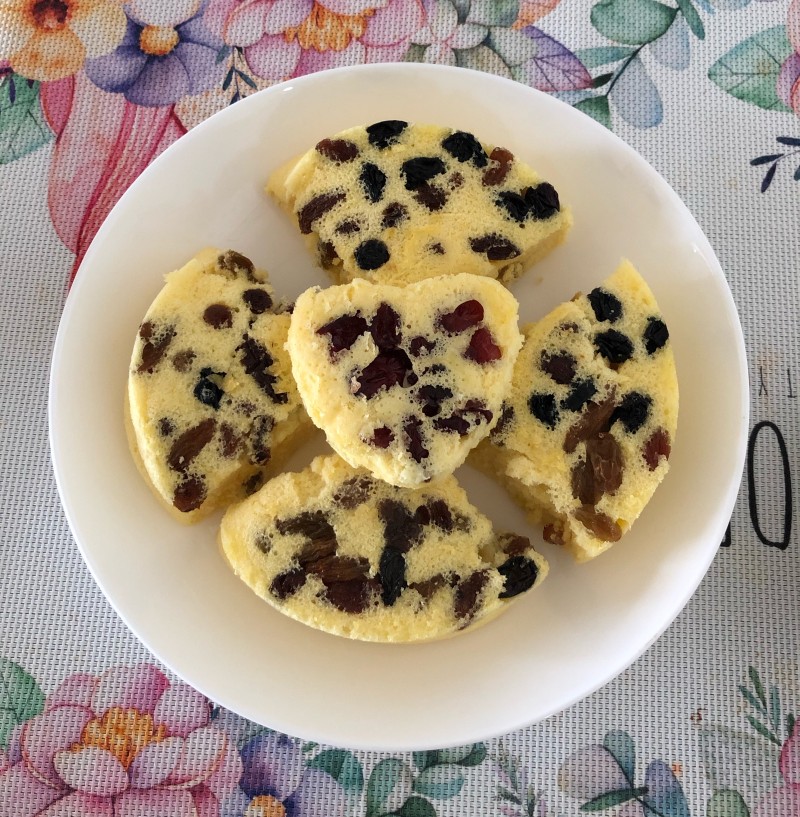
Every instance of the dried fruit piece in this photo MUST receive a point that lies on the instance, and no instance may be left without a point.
(348, 227)
(454, 423)
(317, 207)
(327, 254)
(614, 346)
(554, 534)
(343, 332)
(656, 447)
(430, 196)
(542, 201)
(512, 544)
(392, 574)
(605, 305)
(543, 407)
(260, 432)
(606, 460)
(235, 262)
(288, 583)
(440, 514)
(393, 214)
(189, 444)
(332, 569)
(165, 427)
(218, 316)
(337, 150)
(385, 327)
(432, 396)
(596, 418)
(371, 254)
(352, 596)
(421, 169)
(467, 595)
(584, 488)
(153, 350)
(414, 444)
(353, 492)
(383, 134)
(207, 390)
(436, 248)
(373, 180)
(482, 347)
(495, 246)
(520, 574)
(182, 361)
(401, 530)
(496, 173)
(465, 147)
(600, 524)
(427, 588)
(313, 524)
(464, 316)
(389, 368)
(230, 441)
(580, 394)
(633, 411)
(256, 361)
(253, 483)
(655, 335)
(258, 300)
(561, 366)
(506, 418)
(513, 204)
(189, 494)
(382, 437)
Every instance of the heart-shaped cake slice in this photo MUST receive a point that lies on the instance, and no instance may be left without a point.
(404, 381)
(587, 429)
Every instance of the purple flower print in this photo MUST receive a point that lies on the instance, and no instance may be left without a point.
(160, 60)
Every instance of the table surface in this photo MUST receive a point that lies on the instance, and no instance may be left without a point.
(702, 724)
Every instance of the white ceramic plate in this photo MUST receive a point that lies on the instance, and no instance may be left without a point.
(170, 584)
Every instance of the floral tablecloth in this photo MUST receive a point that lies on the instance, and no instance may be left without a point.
(704, 723)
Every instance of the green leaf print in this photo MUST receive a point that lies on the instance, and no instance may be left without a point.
(749, 71)
(727, 803)
(341, 765)
(493, 12)
(20, 698)
(388, 787)
(440, 782)
(633, 22)
(416, 807)
(612, 798)
(596, 107)
(22, 125)
(602, 55)
(692, 18)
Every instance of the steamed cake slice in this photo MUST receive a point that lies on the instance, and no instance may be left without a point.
(396, 202)
(587, 429)
(338, 550)
(405, 380)
(211, 401)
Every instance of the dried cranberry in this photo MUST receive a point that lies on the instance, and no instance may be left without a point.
(393, 214)
(613, 346)
(189, 494)
(580, 394)
(606, 306)
(257, 300)
(373, 180)
(520, 574)
(206, 390)
(421, 169)
(218, 316)
(414, 444)
(371, 254)
(381, 437)
(343, 332)
(561, 366)
(385, 327)
(430, 196)
(633, 411)
(419, 344)
(388, 369)
(482, 347)
(337, 150)
(464, 316)
(656, 447)
(655, 335)
(495, 247)
(317, 207)
(464, 147)
(543, 408)
(496, 173)
(256, 361)
(383, 134)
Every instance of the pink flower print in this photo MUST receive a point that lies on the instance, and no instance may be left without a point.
(785, 800)
(443, 34)
(126, 743)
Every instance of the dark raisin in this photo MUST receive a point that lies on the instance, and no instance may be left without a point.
(478, 409)
(189, 494)
(332, 569)
(385, 327)
(382, 437)
(427, 588)
(561, 366)
(337, 150)
(414, 444)
(373, 180)
(584, 488)
(495, 247)
(542, 200)
(388, 369)
(257, 300)
(146, 330)
(253, 483)
(423, 515)
(401, 530)
(655, 335)
(482, 347)
(327, 254)
(600, 524)
(317, 207)
(467, 595)
(520, 574)
(595, 419)
(343, 332)
(182, 361)
(260, 430)
(371, 254)
(464, 316)
(431, 196)
(431, 397)
(348, 227)
(496, 173)
(419, 344)
(513, 204)
(440, 514)
(353, 492)
(313, 524)
(207, 390)
(436, 248)
(454, 423)
(153, 349)
(383, 134)
(165, 427)
(605, 459)
(455, 180)
(465, 147)
(392, 573)
(353, 596)
(656, 447)
(393, 214)
(554, 534)
(235, 262)
(420, 170)
(230, 441)
(606, 307)
(256, 361)
(218, 316)
(613, 346)
(579, 395)
(436, 368)
(287, 583)
(633, 411)
(512, 544)
(506, 418)
(263, 541)
(543, 408)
